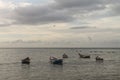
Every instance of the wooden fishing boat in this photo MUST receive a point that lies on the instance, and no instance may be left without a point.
(99, 58)
(83, 56)
(26, 61)
(65, 56)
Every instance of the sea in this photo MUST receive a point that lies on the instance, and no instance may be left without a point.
(73, 68)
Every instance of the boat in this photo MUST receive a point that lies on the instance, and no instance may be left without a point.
(99, 58)
(54, 60)
(65, 56)
(26, 61)
(83, 56)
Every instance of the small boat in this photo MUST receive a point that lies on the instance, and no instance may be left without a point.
(99, 58)
(26, 61)
(54, 60)
(65, 56)
(83, 56)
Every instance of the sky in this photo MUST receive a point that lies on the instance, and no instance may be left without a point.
(59, 23)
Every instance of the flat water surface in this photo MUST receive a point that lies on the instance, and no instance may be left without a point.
(73, 68)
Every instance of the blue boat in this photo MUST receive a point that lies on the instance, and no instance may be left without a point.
(54, 60)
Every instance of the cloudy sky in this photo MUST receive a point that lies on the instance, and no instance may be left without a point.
(59, 23)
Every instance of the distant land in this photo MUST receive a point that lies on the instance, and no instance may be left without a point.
(59, 47)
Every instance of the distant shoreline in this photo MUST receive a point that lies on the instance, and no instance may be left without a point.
(59, 48)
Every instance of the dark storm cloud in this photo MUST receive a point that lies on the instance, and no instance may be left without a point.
(82, 27)
(81, 4)
(115, 11)
(62, 11)
(40, 15)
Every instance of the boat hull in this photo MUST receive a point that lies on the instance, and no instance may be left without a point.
(58, 61)
(25, 62)
(84, 56)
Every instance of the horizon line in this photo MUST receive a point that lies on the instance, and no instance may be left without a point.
(59, 47)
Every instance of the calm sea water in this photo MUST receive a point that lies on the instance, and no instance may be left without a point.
(73, 68)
